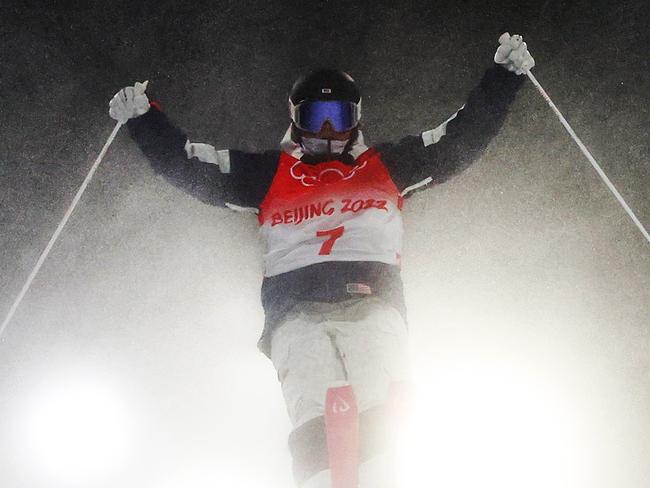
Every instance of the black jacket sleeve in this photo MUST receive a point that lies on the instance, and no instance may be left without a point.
(245, 182)
(459, 142)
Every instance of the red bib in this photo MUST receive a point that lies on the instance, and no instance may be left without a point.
(330, 212)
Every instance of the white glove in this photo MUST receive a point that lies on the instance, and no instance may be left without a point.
(129, 102)
(513, 54)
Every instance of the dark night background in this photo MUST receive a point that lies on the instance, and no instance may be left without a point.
(525, 261)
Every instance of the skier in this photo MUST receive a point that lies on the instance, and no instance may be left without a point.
(329, 213)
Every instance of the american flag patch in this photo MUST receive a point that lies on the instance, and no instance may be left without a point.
(359, 289)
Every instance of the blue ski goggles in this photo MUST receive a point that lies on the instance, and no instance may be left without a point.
(311, 115)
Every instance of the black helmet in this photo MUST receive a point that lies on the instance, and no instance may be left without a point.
(325, 84)
(325, 94)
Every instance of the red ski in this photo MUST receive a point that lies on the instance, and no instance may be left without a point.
(342, 425)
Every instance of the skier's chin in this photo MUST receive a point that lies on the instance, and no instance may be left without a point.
(323, 148)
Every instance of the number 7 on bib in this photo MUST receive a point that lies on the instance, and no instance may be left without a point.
(332, 235)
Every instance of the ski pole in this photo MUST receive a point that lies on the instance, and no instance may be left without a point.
(58, 230)
(588, 155)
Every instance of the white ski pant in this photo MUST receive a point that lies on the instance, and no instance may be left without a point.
(362, 342)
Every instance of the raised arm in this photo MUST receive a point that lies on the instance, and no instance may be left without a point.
(437, 154)
(225, 177)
